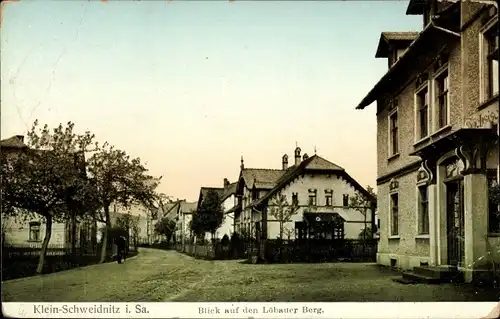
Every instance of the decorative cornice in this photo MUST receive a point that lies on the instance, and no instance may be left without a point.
(393, 185)
(399, 172)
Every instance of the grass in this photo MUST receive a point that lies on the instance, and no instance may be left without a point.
(157, 275)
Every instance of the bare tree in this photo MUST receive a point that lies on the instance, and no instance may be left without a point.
(364, 204)
(281, 211)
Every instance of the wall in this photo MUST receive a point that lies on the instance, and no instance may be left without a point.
(408, 248)
(227, 227)
(406, 117)
(17, 233)
(354, 219)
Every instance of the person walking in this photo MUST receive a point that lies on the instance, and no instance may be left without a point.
(121, 245)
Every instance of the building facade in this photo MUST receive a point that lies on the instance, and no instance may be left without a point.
(437, 139)
(318, 191)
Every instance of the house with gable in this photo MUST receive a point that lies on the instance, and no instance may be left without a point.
(181, 212)
(320, 190)
(437, 140)
(253, 183)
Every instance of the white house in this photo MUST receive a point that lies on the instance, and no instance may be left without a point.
(320, 190)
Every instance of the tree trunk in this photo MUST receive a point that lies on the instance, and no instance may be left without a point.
(104, 247)
(73, 237)
(48, 234)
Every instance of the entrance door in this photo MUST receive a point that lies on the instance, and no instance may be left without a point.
(455, 222)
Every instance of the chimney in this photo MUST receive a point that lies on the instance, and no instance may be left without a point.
(226, 182)
(242, 166)
(20, 137)
(297, 156)
(285, 162)
(305, 157)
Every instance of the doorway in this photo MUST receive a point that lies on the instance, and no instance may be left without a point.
(455, 222)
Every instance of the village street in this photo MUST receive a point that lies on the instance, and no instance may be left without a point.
(158, 275)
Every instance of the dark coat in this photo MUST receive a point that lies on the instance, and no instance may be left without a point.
(121, 243)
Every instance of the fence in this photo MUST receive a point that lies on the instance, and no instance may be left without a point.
(21, 261)
(215, 250)
(320, 250)
(286, 250)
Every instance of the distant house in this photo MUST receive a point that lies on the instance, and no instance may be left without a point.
(229, 204)
(320, 190)
(437, 139)
(31, 232)
(181, 212)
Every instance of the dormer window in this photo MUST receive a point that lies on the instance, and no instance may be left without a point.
(392, 45)
(255, 195)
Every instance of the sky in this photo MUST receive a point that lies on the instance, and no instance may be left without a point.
(192, 86)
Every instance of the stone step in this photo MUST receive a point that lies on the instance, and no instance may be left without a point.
(444, 273)
(418, 278)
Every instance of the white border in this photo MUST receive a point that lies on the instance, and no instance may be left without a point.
(465, 310)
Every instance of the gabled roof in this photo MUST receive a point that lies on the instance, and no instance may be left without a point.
(261, 178)
(314, 164)
(416, 7)
(387, 38)
(15, 141)
(172, 211)
(204, 191)
(429, 41)
(229, 190)
(187, 207)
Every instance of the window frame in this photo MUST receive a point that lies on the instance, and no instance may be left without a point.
(393, 138)
(38, 231)
(485, 56)
(418, 109)
(437, 95)
(313, 199)
(391, 215)
(328, 199)
(345, 198)
(420, 210)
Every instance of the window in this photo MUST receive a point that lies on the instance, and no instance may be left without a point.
(295, 199)
(328, 199)
(423, 211)
(393, 133)
(491, 48)
(312, 199)
(422, 105)
(394, 215)
(34, 231)
(442, 99)
(346, 200)
(399, 53)
(255, 194)
(493, 212)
